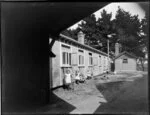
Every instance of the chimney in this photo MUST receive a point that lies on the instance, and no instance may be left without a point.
(117, 49)
(81, 36)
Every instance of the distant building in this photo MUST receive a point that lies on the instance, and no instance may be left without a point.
(75, 55)
(124, 61)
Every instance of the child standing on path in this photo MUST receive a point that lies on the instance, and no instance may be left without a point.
(68, 80)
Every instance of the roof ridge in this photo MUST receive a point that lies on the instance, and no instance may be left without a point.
(131, 54)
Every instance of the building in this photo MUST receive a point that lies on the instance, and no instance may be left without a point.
(75, 55)
(124, 61)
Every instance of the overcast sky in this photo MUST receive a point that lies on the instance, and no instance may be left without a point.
(131, 7)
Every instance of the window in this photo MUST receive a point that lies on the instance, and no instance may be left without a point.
(125, 60)
(81, 60)
(66, 55)
(74, 59)
(90, 59)
(81, 57)
(95, 61)
(65, 46)
(99, 60)
(69, 58)
(66, 58)
(80, 50)
(104, 61)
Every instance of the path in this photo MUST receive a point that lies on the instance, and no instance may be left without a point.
(87, 106)
(127, 96)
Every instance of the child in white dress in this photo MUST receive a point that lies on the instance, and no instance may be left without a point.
(68, 80)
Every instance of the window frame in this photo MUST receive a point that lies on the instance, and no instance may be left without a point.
(126, 62)
(100, 60)
(76, 58)
(95, 61)
(67, 55)
(104, 59)
(81, 54)
(90, 58)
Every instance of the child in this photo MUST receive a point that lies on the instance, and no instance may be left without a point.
(107, 74)
(89, 74)
(82, 79)
(72, 81)
(68, 80)
(77, 77)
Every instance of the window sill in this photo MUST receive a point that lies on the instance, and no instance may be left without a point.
(74, 65)
(65, 66)
(81, 65)
(90, 65)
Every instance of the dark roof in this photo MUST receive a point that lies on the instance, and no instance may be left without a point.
(53, 17)
(125, 52)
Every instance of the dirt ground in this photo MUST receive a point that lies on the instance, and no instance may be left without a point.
(89, 88)
(123, 92)
(80, 92)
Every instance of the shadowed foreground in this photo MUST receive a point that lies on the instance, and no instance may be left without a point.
(125, 97)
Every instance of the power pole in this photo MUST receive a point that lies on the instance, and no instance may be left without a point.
(108, 52)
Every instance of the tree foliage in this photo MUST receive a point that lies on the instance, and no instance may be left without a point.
(126, 29)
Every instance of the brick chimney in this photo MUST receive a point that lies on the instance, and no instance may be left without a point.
(81, 36)
(117, 49)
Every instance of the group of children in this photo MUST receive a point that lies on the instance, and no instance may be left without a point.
(71, 79)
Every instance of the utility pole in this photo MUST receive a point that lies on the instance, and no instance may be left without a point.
(109, 36)
(108, 52)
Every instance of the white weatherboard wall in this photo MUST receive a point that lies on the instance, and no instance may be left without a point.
(56, 65)
(75, 51)
(100, 64)
(57, 68)
(118, 64)
(86, 60)
(130, 66)
(95, 64)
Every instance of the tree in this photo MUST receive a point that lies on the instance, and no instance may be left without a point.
(71, 33)
(144, 38)
(127, 26)
(145, 30)
(104, 25)
(88, 26)
(131, 33)
(96, 31)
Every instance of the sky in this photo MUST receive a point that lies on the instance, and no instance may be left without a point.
(131, 7)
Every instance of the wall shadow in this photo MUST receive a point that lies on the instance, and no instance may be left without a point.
(55, 106)
(107, 90)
